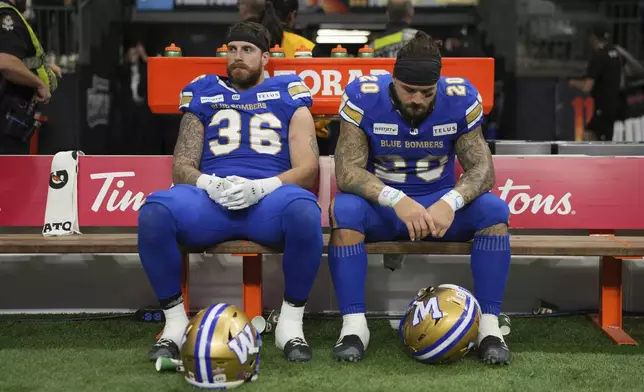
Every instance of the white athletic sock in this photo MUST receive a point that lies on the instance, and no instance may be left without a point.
(289, 324)
(176, 322)
(356, 324)
(489, 325)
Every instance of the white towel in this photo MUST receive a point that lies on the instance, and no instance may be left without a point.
(61, 215)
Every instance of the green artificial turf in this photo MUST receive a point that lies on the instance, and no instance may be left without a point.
(554, 354)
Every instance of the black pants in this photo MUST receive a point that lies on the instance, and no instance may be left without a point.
(11, 145)
(602, 125)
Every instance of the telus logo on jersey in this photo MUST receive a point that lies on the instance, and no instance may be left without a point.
(268, 96)
(385, 129)
(445, 129)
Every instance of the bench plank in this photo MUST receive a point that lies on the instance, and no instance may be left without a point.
(521, 245)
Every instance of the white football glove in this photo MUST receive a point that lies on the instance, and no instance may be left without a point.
(244, 192)
(214, 186)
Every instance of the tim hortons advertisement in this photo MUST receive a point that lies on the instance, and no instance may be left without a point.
(542, 192)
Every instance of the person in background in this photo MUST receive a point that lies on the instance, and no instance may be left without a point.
(251, 10)
(26, 78)
(455, 45)
(398, 31)
(603, 81)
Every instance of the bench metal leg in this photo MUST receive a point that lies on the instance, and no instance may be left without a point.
(185, 281)
(252, 285)
(609, 318)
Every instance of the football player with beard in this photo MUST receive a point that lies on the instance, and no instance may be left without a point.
(394, 164)
(245, 157)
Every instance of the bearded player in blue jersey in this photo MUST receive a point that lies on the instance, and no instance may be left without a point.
(245, 155)
(394, 165)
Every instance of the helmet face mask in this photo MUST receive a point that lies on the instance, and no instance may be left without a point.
(440, 325)
(220, 348)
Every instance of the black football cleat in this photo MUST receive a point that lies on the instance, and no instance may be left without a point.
(297, 350)
(165, 348)
(349, 349)
(494, 351)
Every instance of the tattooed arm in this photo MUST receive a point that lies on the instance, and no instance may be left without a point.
(187, 151)
(351, 155)
(303, 148)
(476, 159)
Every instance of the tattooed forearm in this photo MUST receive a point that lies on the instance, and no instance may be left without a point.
(187, 151)
(476, 159)
(313, 144)
(351, 155)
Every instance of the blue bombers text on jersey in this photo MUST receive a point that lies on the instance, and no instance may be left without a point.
(246, 133)
(419, 159)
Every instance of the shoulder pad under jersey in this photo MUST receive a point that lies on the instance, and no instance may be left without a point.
(467, 102)
(295, 92)
(191, 95)
(361, 95)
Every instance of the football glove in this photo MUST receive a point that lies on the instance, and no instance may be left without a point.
(245, 193)
(214, 186)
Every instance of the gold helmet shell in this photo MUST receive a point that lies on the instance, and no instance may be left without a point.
(220, 348)
(441, 324)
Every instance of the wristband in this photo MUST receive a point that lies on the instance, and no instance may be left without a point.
(203, 181)
(454, 199)
(270, 184)
(389, 196)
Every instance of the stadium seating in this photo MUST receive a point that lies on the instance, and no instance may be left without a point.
(581, 201)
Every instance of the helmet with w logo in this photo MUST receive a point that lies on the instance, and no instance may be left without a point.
(220, 348)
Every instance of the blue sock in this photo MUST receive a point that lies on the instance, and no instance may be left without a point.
(490, 268)
(348, 266)
(159, 251)
(302, 225)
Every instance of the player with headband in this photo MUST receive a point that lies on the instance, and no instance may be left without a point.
(394, 162)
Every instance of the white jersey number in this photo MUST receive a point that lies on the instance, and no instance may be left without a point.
(262, 130)
(391, 168)
(455, 87)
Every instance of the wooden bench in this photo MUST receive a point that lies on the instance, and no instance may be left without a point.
(586, 200)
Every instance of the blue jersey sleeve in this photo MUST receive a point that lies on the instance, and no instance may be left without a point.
(471, 108)
(359, 96)
(298, 94)
(190, 98)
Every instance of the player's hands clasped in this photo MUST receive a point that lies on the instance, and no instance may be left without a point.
(214, 186)
(418, 220)
(244, 192)
(442, 215)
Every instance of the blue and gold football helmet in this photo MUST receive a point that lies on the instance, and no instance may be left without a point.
(220, 348)
(441, 324)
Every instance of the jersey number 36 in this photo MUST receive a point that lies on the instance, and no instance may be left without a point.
(261, 128)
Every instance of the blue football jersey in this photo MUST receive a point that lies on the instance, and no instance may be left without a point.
(415, 159)
(246, 133)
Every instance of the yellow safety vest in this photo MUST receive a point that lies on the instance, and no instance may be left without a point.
(291, 43)
(38, 62)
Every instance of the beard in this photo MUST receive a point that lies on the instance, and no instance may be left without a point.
(242, 76)
(414, 112)
(21, 5)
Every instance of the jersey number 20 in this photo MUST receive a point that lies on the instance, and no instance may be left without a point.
(262, 140)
